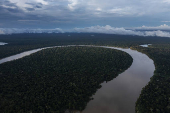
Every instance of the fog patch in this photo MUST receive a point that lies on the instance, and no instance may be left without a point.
(157, 33)
(95, 29)
(108, 30)
(16, 30)
(121, 31)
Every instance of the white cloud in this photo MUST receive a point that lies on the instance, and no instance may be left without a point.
(106, 29)
(98, 9)
(72, 4)
(15, 30)
(165, 21)
(12, 7)
(93, 29)
(1, 32)
(22, 4)
(161, 27)
(122, 31)
(94, 8)
(122, 11)
(166, 1)
(157, 33)
(42, 2)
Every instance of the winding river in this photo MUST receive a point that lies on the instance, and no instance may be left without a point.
(120, 94)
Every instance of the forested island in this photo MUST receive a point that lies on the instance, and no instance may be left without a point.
(57, 79)
(154, 97)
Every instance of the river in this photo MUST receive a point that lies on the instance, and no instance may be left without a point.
(145, 45)
(2, 43)
(120, 94)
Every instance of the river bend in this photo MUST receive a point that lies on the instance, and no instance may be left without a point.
(120, 94)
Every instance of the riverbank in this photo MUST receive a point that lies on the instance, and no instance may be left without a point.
(62, 76)
(154, 97)
(139, 73)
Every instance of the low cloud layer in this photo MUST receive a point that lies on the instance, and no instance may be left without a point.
(122, 31)
(15, 30)
(157, 33)
(1, 32)
(107, 29)
(147, 31)
(161, 27)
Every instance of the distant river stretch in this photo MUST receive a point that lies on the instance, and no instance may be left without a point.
(120, 94)
(2, 43)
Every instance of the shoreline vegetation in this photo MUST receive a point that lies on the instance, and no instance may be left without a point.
(154, 97)
(57, 79)
(18, 43)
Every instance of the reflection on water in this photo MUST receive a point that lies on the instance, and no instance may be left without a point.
(120, 94)
(2, 43)
(18, 56)
(145, 45)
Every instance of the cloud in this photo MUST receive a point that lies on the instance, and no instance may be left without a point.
(30, 9)
(1, 32)
(15, 30)
(24, 3)
(93, 29)
(161, 27)
(106, 29)
(122, 31)
(27, 20)
(72, 4)
(166, 1)
(42, 2)
(38, 6)
(5, 6)
(113, 7)
(165, 21)
(121, 13)
(157, 33)
(9, 10)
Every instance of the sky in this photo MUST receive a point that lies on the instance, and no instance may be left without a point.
(83, 14)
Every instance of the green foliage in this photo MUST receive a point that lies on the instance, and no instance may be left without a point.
(23, 42)
(155, 97)
(57, 79)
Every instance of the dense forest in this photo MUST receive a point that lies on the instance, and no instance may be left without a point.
(154, 98)
(22, 42)
(57, 79)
